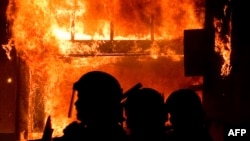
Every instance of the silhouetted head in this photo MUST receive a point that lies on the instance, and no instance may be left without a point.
(185, 109)
(99, 96)
(145, 109)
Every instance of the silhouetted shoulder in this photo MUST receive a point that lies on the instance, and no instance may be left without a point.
(145, 115)
(99, 109)
(187, 116)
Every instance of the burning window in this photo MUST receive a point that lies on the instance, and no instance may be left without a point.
(57, 41)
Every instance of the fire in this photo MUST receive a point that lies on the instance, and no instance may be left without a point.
(223, 40)
(45, 35)
(8, 49)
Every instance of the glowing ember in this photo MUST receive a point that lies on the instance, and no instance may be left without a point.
(9, 80)
(40, 30)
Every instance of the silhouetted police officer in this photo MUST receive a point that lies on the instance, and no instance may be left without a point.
(99, 109)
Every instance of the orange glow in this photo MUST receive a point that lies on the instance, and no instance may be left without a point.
(223, 29)
(42, 30)
(223, 45)
(7, 48)
(9, 80)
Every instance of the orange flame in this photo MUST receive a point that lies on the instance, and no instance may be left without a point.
(41, 30)
(223, 43)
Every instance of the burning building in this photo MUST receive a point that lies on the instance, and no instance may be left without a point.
(48, 45)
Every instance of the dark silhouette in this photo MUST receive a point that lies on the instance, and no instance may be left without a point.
(99, 110)
(187, 116)
(144, 110)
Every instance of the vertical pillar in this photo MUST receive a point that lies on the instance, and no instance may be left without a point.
(241, 60)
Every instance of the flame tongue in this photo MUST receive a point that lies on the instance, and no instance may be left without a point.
(223, 29)
(41, 25)
(40, 28)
